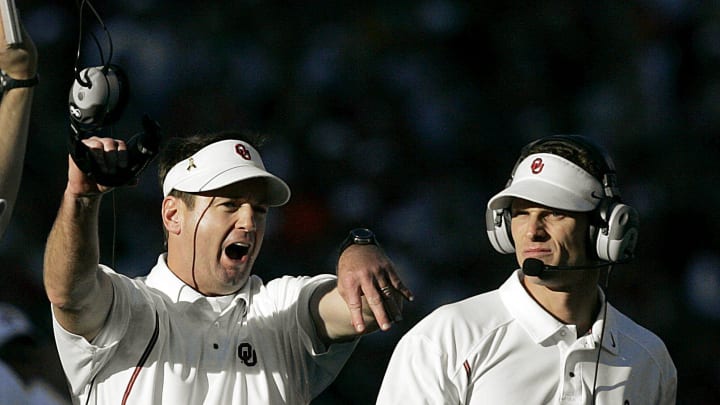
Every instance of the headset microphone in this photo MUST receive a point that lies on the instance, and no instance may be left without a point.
(536, 268)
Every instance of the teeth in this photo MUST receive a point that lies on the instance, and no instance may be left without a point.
(236, 251)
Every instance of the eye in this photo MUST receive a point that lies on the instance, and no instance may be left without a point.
(260, 209)
(230, 205)
(517, 213)
(557, 214)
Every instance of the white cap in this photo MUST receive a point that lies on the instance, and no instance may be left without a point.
(13, 323)
(220, 164)
(552, 181)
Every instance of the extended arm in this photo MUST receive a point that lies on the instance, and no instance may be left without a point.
(81, 294)
(20, 63)
(368, 295)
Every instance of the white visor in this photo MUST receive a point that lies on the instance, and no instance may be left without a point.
(220, 164)
(552, 181)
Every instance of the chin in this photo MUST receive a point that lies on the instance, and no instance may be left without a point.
(239, 280)
(234, 278)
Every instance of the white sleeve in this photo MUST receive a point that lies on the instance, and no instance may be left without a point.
(81, 360)
(316, 365)
(418, 374)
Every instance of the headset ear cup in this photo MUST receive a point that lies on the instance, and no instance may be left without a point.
(100, 100)
(618, 240)
(122, 94)
(497, 223)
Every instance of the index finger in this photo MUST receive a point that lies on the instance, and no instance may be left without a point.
(376, 301)
(350, 291)
(354, 304)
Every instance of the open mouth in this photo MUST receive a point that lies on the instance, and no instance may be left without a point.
(236, 251)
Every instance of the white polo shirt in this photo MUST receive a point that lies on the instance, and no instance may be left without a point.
(502, 347)
(258, 346)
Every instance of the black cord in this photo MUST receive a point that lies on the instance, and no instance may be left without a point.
(195, 231)
(602, 332)
(114, 228)
(105, 63)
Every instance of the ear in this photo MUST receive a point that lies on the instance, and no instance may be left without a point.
(172, 212)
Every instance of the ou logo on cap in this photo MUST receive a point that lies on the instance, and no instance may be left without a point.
(241, 150)
(537, 166)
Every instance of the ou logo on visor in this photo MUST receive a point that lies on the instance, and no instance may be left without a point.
(537, 166)
(241, 150)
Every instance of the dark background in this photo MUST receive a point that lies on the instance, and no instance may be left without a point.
(406, 116)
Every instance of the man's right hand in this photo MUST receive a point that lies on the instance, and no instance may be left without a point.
(109, 154)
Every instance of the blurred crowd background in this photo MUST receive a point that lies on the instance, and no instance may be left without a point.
(405, 117)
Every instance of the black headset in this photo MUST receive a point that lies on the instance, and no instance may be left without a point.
(614, 225)
(97, 99)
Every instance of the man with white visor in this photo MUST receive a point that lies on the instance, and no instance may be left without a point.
(548, 334)
(200, 328)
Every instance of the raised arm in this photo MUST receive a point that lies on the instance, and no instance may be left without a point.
(20, 63)
(80, 293)
(369, 295)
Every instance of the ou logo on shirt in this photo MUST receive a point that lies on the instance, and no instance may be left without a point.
(247, 354)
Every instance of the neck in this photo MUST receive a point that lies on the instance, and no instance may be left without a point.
(181, 264)
(577, 305)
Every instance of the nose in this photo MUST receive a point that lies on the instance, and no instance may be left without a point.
(536, 228)
(245, 218)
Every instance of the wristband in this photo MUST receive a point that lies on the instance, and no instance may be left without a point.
(8, 83)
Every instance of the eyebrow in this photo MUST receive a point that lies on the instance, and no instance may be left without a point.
(247, 198)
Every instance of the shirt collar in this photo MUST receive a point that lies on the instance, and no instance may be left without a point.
(163, 279)
(540, 325)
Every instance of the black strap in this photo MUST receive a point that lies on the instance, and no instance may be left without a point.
(8, 83)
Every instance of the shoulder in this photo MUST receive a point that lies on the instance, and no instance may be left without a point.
(122, 281)
(635, 333)
(285, 284)
(638, 341)
(287, 290)
(133, 293)
(479, 309)
(463, 322)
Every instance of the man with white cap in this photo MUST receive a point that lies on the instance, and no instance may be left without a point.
(548, 334)
(200, 328)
